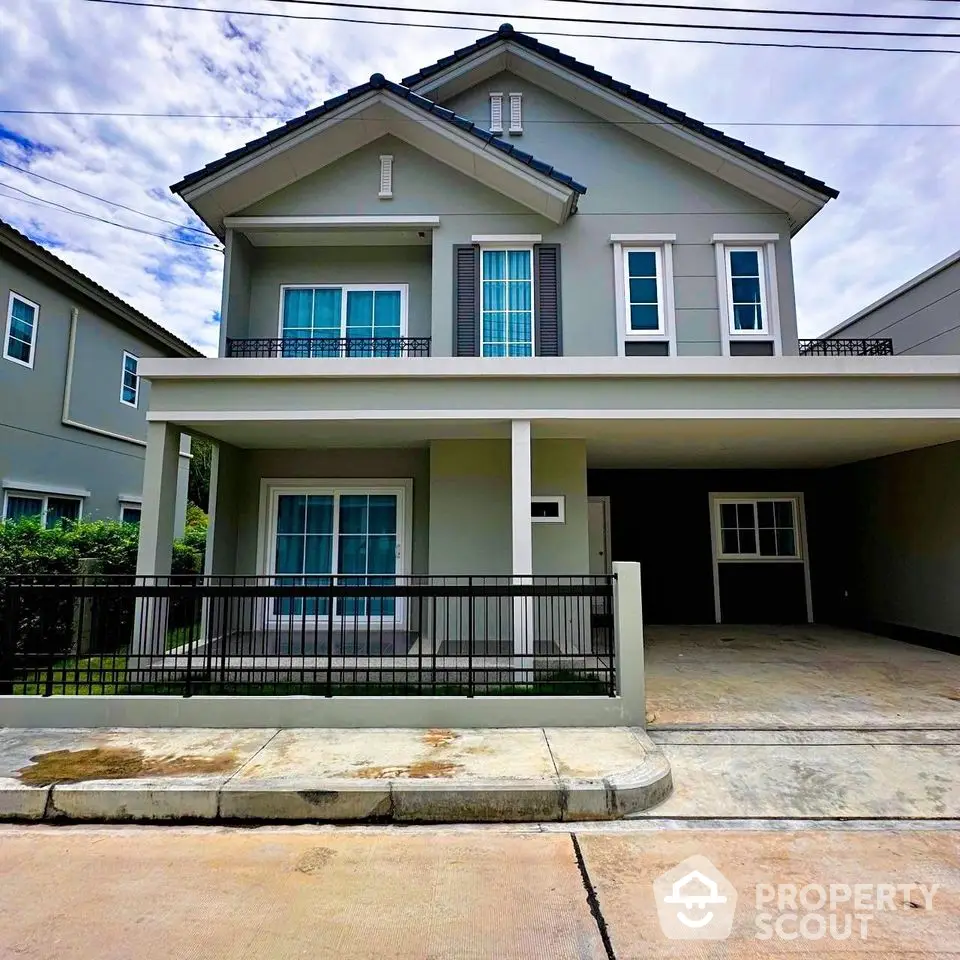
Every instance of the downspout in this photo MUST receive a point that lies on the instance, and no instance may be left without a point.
(65, 418)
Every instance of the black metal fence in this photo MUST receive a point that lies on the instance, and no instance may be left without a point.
(322, 347)
(868, 347)
(322, 636)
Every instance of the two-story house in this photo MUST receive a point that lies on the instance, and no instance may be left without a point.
(514, 317)
(72, 402)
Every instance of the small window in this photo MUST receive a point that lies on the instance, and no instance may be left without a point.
(496, 113)
(758, 529)
(516, 113)
(21, 333)
(746, 290)
(506, 302)
(50, 510)
(130, 380)
(130, 513)
(643, 288)
(547, 509)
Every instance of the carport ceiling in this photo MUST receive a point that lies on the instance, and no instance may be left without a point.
(673, 443)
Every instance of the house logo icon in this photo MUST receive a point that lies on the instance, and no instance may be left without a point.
(695, 901)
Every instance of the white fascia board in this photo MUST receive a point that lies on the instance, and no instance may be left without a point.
(412, 368)
(331, 223)
(45, 488)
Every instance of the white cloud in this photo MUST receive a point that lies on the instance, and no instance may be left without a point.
(900, 188)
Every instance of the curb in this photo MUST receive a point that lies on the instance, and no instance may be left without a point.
(397, 800)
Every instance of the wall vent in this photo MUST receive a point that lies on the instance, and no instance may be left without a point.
(386, 177)
(516, 113)
(496, 113)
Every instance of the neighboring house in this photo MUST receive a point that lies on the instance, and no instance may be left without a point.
(514, 317)
(920, 317)
(73, 406)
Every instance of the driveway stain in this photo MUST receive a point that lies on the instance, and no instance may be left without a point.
(439, 738)
(314, 860)
(117, 763)
(421, 770)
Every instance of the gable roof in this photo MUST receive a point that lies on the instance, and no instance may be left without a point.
(379, 82)
(507, 33)
(13, 239)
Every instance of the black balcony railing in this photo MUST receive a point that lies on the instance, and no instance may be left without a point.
(867, 347)
(179, 636)
(322, 347)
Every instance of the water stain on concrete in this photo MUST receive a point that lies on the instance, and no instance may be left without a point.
(314, 860)
(117, 763)
(420, 770)
(439, 738)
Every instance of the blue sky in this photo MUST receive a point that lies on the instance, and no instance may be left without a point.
(900, 188)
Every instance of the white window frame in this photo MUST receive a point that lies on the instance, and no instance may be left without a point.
(403, 288)
(519, 244)
(662, 246)
(764, 244)
(36, 325)
(800, 537)
(44, 498)
(129, 503)
(561, 509)
(123, 375)
(272, 489)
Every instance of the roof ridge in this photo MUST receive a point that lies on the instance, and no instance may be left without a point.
(113, 302)
(507, 33)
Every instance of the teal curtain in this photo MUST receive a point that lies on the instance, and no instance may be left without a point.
(507, 321)
(745, 284)
(304, 547)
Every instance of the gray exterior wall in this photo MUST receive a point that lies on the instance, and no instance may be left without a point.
(633, 187)
(922, 320)
(902, 546)
(36, 447)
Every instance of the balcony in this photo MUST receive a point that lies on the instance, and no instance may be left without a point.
(322, 348)
(867, 347)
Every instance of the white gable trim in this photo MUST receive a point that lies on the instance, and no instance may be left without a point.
(800, 203)
(328, 139)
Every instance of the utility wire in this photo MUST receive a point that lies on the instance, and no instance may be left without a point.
(540, 33)
(281, 118)
(32, 198)
(850, 15)
(590, 21)
(112, 203)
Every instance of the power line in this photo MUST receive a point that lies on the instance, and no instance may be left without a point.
(113, 203)
(759, 10)
(540, 33)
(32, 198)
(896, 125)
(591, 21)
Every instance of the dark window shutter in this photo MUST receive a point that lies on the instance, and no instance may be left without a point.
(466, 300)
(546, 272)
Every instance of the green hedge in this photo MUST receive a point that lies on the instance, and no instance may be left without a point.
(27, 548)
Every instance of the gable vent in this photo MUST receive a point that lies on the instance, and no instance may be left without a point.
(386, 177)
(516, 113)
(496, 113)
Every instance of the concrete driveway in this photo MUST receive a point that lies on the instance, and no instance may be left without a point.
(796, 678)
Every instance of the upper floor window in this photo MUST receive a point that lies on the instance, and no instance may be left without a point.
(130, 380)
(21, 336)
(746, 290)
(642, 271)
(506, 302)
(50, 510)
(370, 318)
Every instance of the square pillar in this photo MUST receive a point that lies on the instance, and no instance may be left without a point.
(521, 487)
(160, 474)
(628, 642)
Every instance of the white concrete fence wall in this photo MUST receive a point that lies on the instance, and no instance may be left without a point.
(627, 708)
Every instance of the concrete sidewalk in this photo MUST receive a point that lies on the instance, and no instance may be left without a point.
(330, 775)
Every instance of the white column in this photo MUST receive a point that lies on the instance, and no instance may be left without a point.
(522, 539)
(628, 643)
(160, 473)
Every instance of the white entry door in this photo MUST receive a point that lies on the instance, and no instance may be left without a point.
(598, 513)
